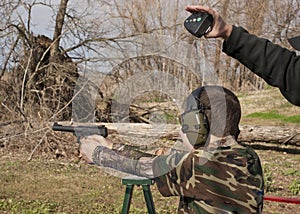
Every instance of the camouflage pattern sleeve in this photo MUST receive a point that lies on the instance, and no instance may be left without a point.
(124, 159)
(224, 179)
(130, 159)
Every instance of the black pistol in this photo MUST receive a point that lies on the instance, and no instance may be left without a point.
(81, 131)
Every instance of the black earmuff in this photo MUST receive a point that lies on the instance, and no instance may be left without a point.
(194, 122)
(195, 125)
(197, 118)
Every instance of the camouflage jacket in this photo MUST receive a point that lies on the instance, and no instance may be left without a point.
(224, 178)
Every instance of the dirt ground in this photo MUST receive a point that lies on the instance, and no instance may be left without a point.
(58, 186)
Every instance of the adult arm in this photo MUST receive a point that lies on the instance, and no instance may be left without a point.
(278, 66)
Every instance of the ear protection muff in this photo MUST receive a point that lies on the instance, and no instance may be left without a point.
(194, 122)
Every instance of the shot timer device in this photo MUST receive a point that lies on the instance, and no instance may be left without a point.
(199, 24)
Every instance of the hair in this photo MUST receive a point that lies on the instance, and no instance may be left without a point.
(222, 109)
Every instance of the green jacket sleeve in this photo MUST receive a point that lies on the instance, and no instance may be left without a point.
(278, 66)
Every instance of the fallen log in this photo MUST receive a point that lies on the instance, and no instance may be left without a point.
(249, 133)
(270, 134)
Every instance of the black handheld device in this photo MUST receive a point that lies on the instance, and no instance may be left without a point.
(199, 24)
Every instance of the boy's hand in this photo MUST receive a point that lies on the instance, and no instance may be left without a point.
(89, 143)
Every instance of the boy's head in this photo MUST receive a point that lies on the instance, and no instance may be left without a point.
(210, 110)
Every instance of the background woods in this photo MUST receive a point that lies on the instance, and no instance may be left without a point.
(106, 43)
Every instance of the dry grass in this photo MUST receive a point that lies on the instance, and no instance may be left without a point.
(57, 186)
(265, 101)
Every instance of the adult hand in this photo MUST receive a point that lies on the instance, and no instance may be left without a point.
(220, 27)
(89, 143)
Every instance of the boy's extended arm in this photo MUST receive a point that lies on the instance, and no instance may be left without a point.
(125, 158)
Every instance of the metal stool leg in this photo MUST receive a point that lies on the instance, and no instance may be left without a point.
(127, 199)
(149, 199)
(130, 181)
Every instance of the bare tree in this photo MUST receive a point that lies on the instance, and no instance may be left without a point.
(45, 68)
(37, 88)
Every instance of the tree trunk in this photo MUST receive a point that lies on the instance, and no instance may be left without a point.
(59, 23)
